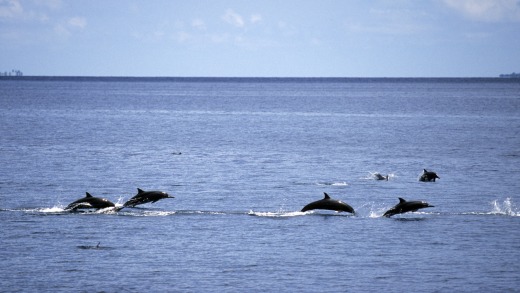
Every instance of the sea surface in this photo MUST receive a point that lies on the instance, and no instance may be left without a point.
(242, 156)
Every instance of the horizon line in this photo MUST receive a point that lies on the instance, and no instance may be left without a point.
(249, 77)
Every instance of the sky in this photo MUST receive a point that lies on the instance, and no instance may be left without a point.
(262, 38)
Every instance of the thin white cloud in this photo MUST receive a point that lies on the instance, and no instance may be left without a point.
(233, 18)
(219, 38)
(11, 9)
(198, 24)
(77, 22)
(182, 37)
(65, 29)
(487, 10)
(37, 10)
(255, 18)
(52, 4)
(61, 30)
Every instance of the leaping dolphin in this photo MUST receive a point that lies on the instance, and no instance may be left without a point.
(428, 176)
(90, 202)
(406, 206)
(143, 197)
(328, 203)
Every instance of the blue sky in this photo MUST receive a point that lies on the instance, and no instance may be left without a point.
(282, 38)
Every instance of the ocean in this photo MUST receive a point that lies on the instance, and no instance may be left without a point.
(242, 156)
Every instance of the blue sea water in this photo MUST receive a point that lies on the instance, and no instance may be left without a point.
(242, 157)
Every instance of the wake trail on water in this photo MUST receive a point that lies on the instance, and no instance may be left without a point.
(498, 207)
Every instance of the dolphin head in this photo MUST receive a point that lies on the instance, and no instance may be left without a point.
(165, 195)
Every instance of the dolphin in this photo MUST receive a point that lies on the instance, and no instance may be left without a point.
(378, 176)
(406, 206)
(428, 176)
(143, 197)
(328, 203)
(90, 202)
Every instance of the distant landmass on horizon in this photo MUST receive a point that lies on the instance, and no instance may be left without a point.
(511, 75)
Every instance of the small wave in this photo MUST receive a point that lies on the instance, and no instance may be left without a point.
(278, 214)
(343, 183)
(59, 209)
(141, 212)
(148, 213)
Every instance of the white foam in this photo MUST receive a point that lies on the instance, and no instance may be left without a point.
(341, 183)
(507, 207)
(54, 209)
(277, 214)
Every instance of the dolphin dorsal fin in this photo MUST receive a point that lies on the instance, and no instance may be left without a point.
(326, 196)
(139, 190)
(401, 200)
(88, 195)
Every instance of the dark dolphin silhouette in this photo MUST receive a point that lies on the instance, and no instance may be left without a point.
(143, 197)
(428, 176)
(90, 202)
(378, 176)
(90, 246)
(406, 206)
(328, 203)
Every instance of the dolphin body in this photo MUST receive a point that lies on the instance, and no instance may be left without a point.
(406, 206)
(428, 176)
(378, 176)
(328, 203)
(143, 197)
(90, 202)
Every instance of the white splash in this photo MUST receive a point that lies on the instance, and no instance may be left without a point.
(507, 207)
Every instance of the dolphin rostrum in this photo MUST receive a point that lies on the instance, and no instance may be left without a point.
(328, 203)
(143, 197)
(428, 176)
(406, 206)
(90, 202)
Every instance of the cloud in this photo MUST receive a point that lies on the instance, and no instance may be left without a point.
(28, 11)
(487, 10)
(198, 23)
(233, 18)
(255, 18)
(65, 29)
(51, 4)
(10, 9)
(77, 22)
(182, 37)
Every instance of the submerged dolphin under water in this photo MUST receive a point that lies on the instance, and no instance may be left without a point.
(327, 203)
(89, 202)
(143, 197)
(406, 206)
